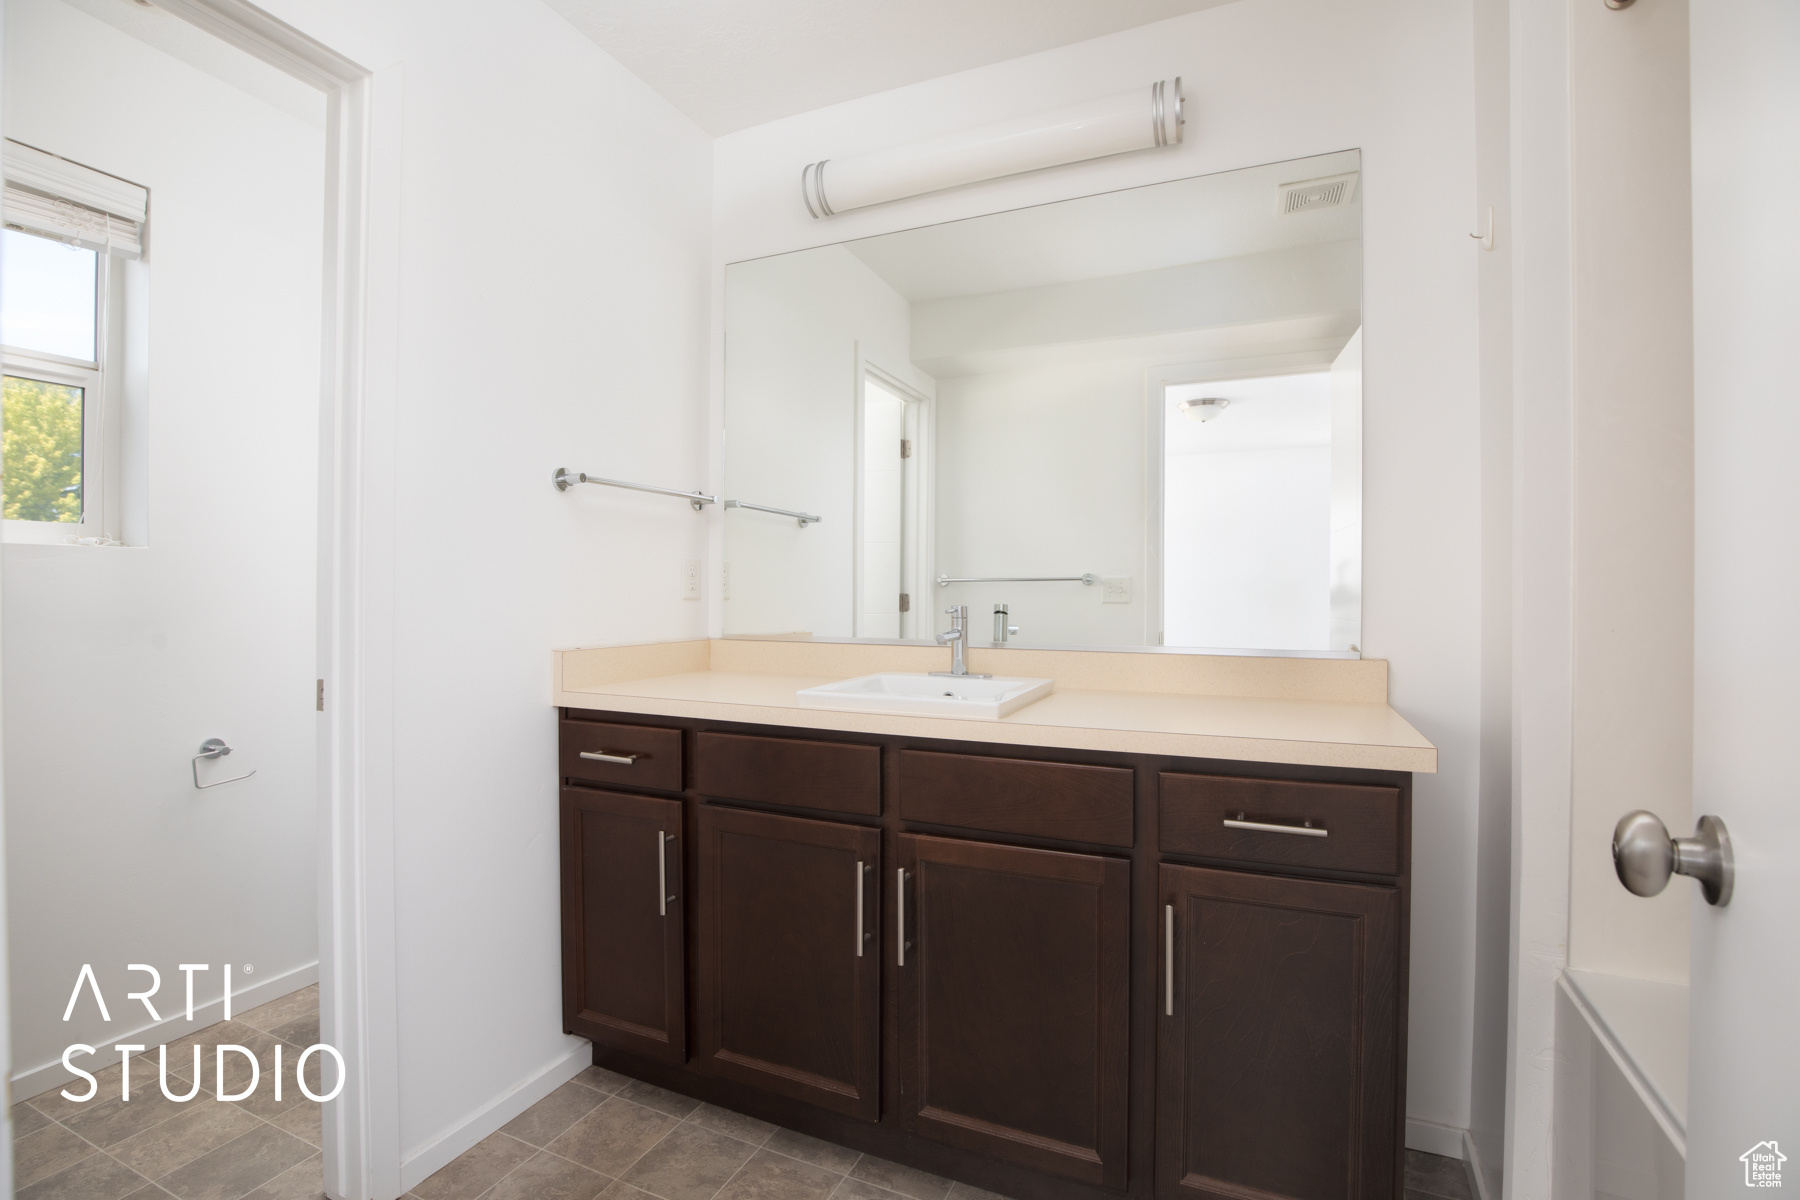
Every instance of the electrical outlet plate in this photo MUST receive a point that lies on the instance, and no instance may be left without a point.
(1115, 589)
(690, 579)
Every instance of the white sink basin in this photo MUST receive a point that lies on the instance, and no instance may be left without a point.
(928, 695)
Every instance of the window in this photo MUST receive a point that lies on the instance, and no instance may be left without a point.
(68, 229)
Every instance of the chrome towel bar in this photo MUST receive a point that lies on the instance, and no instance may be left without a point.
(564, 479)
(804, 518)
(1083, 580)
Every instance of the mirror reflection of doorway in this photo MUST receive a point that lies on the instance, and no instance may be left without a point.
(1261, 512)
(888, 491)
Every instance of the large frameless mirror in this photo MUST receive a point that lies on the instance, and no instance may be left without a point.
(1125, 420)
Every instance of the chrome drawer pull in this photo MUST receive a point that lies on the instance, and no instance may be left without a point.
(1168, 960)
(624, 760)
(900, 912)
(1306, 830)
(862, 872)
(663, 838)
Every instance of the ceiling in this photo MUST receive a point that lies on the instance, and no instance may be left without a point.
(731, 64)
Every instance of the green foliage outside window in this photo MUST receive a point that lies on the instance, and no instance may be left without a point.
(43, 451)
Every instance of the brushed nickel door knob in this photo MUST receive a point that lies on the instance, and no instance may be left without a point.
(1645, 856)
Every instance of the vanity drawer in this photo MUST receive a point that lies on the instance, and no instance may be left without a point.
(652, 755)
(834, 776)
(1352, 827)
(1070, 801)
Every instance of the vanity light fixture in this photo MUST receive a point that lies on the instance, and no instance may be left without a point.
(1203, 409)
(1092, 129)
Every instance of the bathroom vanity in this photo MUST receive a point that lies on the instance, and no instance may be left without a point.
(1052, 960)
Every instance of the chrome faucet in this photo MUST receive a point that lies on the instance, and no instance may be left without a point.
(957, 638)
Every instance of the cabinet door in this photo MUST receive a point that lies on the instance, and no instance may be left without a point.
(787, 967)
(1278, 1038)
(623, 965)
(1014, 1018)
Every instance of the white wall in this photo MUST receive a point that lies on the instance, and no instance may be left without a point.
(1270, 80)
(1249, 556)
(804, 327)
(1634, 476)
(1041, 472)
(119, 662)
(513, 348)
(1493, 880)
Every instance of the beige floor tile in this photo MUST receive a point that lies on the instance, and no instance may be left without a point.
(732, 1124)
(201, 1126)
(602, 1080)
(544, 1121)
(26, 1119)
(44, 1152)
(620, 1190)
(908, 1181)
(856, 1189)
(283, 1009)
(547, 1177)
(303, 1120)
(53, 1104)
(301, 1031)
(94, 1178)
(661, 1099)
(968, 1191)
(812, 1150)
(304, 1181)
(776, 1177)
(691, 1163)
(612, 1137)
(475, 1170)
(110, 1122)
(237, 1167)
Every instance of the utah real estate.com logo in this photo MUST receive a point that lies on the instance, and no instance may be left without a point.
(88, 980)
(1762, 1165)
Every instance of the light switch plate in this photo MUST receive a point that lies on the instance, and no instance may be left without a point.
(690, 579)
(1115, 589)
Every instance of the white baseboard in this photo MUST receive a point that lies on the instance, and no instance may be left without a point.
(420, 1164)
(35, 1081)
(1433, 1138)
(1472, 1162)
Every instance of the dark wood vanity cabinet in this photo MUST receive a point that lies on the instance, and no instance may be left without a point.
(1054, 974)
(787, 979)
(624, 940)
(1014, 993)
(1277, 1042)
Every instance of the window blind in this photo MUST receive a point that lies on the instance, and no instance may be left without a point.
(57, 198)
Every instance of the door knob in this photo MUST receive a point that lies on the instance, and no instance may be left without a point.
(1645, 856)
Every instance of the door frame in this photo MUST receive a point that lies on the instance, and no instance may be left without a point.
(919, 536)
(358, 1002)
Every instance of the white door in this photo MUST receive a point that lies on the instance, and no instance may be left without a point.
(1744, 1049)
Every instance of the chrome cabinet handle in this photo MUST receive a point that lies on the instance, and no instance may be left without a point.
(1644, 855)
(1304, 830)
(1168, 960)
(862, 874)
(900, 877)
(624, 760)
(663, 838)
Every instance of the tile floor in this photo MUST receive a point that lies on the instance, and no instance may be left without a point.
(1434, 1177)
(599, 1135)
(602, 1134)
(151, 1148)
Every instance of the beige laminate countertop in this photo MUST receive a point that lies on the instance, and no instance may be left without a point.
(755, 682)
